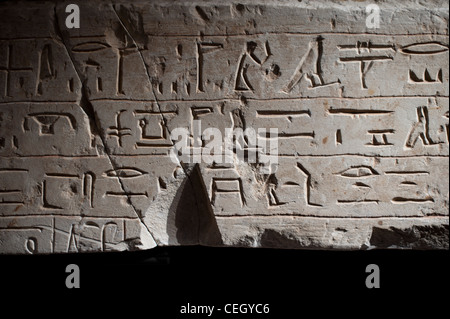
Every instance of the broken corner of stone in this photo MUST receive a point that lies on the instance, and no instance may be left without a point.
(114, 119)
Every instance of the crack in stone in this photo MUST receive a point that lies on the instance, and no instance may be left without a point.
(162, 115)
(88, 109)
(83, 102)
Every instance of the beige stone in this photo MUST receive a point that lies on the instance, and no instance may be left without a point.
(88, 160)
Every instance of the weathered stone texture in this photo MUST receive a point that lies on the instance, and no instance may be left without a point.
(86, 117)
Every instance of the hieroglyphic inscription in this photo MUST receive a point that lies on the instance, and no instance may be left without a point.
(273, 66)
(87, 116)
(45, 73)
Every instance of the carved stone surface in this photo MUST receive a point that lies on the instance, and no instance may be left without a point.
(87, 117)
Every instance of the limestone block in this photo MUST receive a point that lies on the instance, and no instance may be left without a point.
(281, 124)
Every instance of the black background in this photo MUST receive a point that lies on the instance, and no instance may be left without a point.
(293, 282)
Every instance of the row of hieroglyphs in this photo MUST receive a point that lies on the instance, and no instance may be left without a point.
(339, 186)
(264, 66)
(67, 234)
(331, 126)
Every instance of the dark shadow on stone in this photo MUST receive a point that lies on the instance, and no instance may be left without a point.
(271, 238)
(416, 237)
(191, 220)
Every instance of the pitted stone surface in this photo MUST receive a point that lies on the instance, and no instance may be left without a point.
(87, 159)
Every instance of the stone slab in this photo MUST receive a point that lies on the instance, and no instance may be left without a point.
(89, 117)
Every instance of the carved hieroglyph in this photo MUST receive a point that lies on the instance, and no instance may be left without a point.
(86, 116)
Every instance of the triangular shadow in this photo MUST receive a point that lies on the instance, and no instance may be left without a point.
(191, 220)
